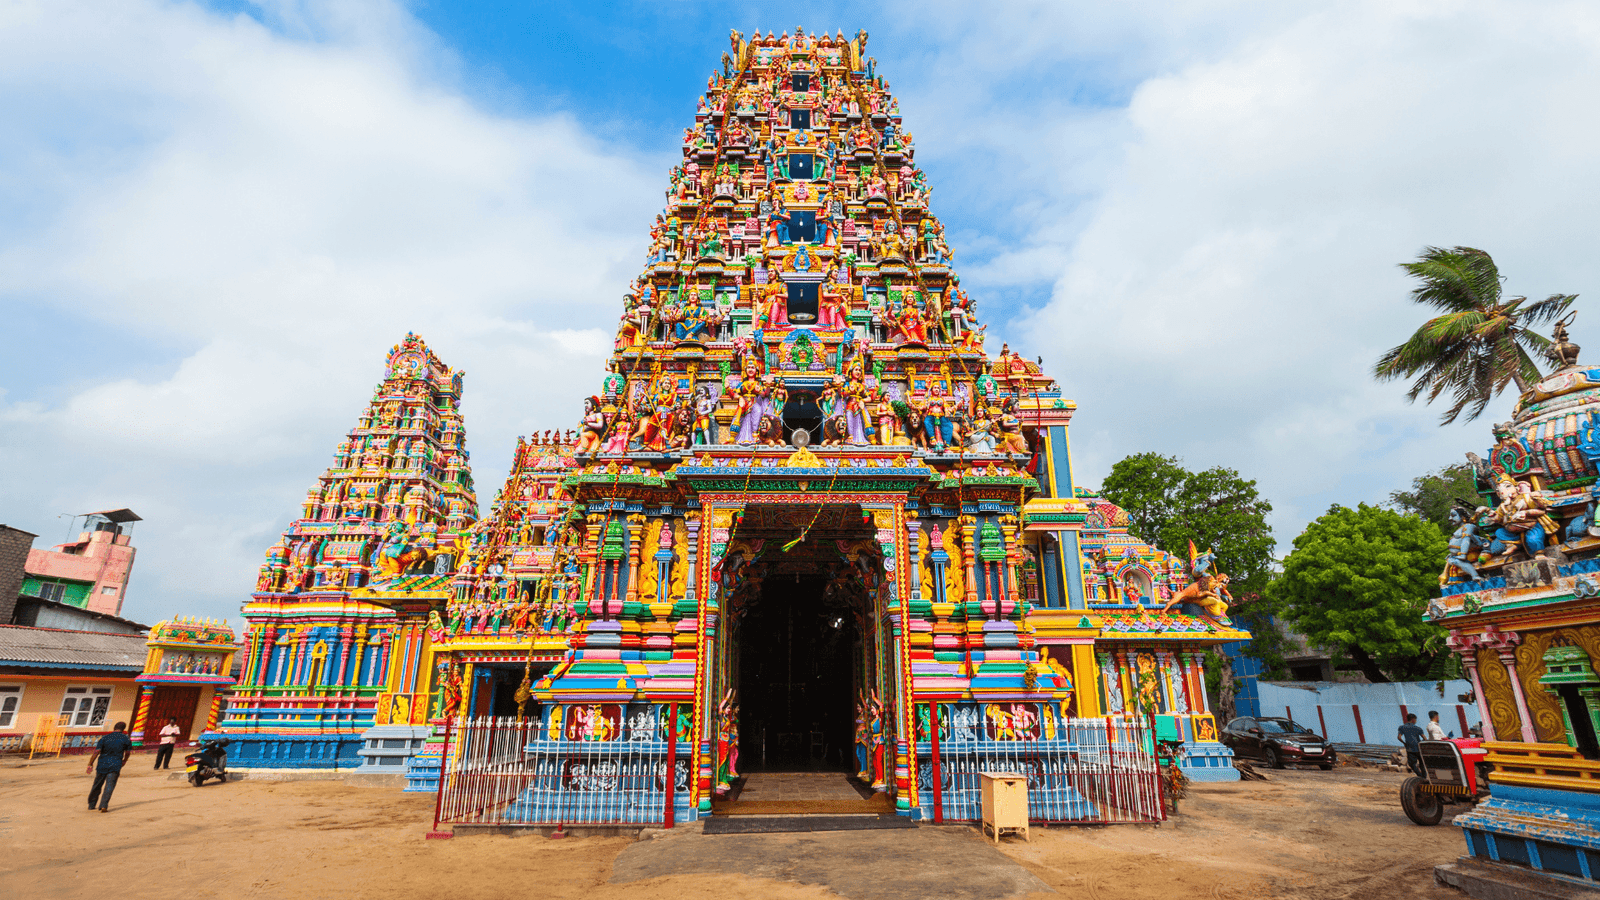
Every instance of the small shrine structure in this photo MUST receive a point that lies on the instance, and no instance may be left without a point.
(1521, 597)
(187, 675)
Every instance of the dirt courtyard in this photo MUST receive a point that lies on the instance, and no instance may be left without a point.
(1305, 834)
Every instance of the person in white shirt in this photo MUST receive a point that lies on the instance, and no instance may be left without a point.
(1435, 732)
(169, 740)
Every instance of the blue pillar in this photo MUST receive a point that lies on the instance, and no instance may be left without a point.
(1059, 462)
(1050, 569)
(1072, 569)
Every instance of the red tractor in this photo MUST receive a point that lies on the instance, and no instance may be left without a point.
(1455, 772)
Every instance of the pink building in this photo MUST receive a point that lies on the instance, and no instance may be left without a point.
(90, 573)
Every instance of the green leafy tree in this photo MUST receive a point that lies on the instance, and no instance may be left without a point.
(1432, 495)
(1358, 581)
(1479, 343)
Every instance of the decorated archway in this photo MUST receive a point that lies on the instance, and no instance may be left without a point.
(804, 667)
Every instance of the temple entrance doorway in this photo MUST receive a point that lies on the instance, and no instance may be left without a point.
(801, 656)
(494, 688)
(797, 674)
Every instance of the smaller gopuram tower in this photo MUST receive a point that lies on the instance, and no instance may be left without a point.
(1521, 597)
(389, 513)
(512, 598)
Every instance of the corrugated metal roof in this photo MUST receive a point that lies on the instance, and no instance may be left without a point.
(56, 648)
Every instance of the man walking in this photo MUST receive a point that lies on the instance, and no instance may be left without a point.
(1411, 736)
(169, 740)
(109, 754)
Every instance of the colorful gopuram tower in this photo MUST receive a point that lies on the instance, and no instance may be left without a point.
(804, 517)
(321, 664)
(806, 510)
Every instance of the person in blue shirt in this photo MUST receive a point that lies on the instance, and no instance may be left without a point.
(109, 754)
(1410, 735)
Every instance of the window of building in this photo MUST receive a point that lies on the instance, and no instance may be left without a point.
(1580, 720)
(108, 590)
(800, 118)
(802, 82)
(319, 658)
(85, 707)
(803, 225)
(801, 411)
(802, 303)
(53, 591)
(801, 166)
(10, 701)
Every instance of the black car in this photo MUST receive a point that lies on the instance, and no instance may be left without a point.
(1279, 742)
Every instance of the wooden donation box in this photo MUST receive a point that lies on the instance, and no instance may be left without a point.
(1005, 804)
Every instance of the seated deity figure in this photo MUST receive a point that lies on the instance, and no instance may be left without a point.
(1012, 440)
(621, 429)
(1523, 523)
(832, 307)
(695, 323)
(659, 424)
(980, 438)
(773, 308)
(972, 339)
(909, 324)
(634, 328)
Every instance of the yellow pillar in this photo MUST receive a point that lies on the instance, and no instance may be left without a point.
(969, 558)
(1086, 680)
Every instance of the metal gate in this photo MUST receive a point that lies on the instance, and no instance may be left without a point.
(1094, 771)
(503, 771)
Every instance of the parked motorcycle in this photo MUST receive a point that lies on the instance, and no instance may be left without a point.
(210, 762)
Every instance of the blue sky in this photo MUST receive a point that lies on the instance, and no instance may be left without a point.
(214, 220)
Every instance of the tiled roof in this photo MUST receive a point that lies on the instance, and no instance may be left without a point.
(55, 648)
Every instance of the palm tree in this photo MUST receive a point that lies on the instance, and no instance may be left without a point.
(1481, 340)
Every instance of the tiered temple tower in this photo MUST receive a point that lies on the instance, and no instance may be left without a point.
(805, 510)
(389, 510)
(802, 451)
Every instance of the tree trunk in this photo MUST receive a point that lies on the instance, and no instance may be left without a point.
(1225, 693)
(1367, 665)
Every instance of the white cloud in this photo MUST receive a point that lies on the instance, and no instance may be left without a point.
(1223, 246)
(1213, 198)
(282, 209)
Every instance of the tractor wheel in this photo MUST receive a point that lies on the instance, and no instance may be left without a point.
(1421, 807)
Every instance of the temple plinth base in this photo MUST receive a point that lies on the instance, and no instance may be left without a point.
(1496, 881)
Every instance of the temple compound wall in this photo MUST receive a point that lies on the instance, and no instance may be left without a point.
(804, 517)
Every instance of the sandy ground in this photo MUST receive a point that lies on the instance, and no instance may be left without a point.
(1305, 834)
